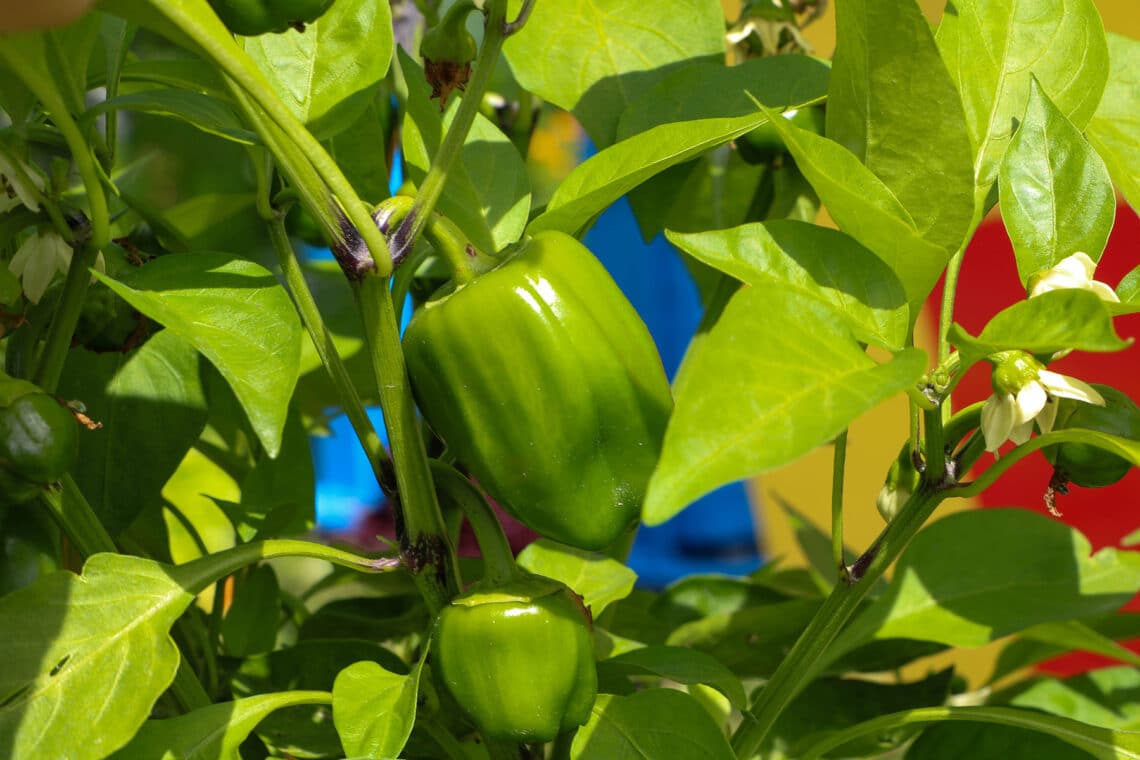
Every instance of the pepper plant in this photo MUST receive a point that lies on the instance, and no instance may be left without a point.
(168, 349)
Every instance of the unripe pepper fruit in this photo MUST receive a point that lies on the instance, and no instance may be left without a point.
(250, 18)
(518, 657)
(39, 439)
(545, 384)
(1082, 463)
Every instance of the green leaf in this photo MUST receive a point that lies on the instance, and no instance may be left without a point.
(200, 111)
(487, 191)
(285, 481)
(687, 666)
(603, 178)
(96, 646)
(598, 579)
(985, 741)
(152, 408)
(1041, 642)
(715, 91)
(650, 724)
(1012, 569)
(777, 375)
(866, 209)
(375, 709)
(1104, 697)
(211, 733)
(238, 316)
(250, 624)
(178, 73)
(328, 74)
(1052, 321)
(993, 48)
(594, 57)
(1073, 635)
(819, 262)
(893, 104)
(1056, 195)
(357, 150)
(833, 704)
(1115, 127)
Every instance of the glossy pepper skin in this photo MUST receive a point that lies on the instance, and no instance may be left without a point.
(518, 658)
(544, 382)
(39, 440)
(1082, 463)
(250, 18)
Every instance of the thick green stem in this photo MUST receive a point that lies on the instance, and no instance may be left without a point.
(424, 543)
(498, 559)
(839, 463)
(800, 665)
(934, 447)
(462, 258)
(66, 318)
(77, 520)
(405, 238)
(197, 575)
(323, 341)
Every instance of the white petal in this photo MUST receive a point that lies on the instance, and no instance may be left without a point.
(1020, 433)
(1103, 291)
(1079, 262)
(1030, 401)
(1064, 386)
(997, 420)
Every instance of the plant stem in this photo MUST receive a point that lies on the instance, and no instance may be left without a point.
(801, 663)
(425, 546)
(839, 463)
(498, 559)
(934, 447)
(77, 520)
(323, 341)
(409, 231)
(195, 576)
(66, 317)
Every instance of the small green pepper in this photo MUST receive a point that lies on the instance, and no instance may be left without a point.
(38, 439)
(545, 384)
(518, 657)
(1087, 465)
(763, 145)
(250, 18)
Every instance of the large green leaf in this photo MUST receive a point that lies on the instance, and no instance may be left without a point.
(866, 209)
(374, 709)
(85, 658)
(152, 408)
(992, 48)
(987, 741)
(1041, 642)
(716, 91)
(598, 579)
(201, 111)
(679, 664)
(1115, 127)
(595, 57)
(1009, 569)
(777, 375)
(328, 73)
(251, 622)
(357, 150)
(819, 262)
(238, 316)
(655, 723)
(487, 192)
(214, 732)
(1103, 697)
(893, 104)
(1052, 321)
(1056, 195)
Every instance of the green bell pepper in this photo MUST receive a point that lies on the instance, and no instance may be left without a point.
(518, 657)
(1084, 464)
(39, 439)
(250, 18)
(546, 385)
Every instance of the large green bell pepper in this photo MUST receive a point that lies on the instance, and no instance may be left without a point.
(518, 657)
(544, 382)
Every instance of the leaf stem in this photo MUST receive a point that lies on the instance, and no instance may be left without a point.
(498, 559)
(839, 463)
(66, 317)
(77, 520)
(195, 576)
(427, 197)
(424, 543)
(322, 339)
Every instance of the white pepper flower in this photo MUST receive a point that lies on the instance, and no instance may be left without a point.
(1072, 272)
